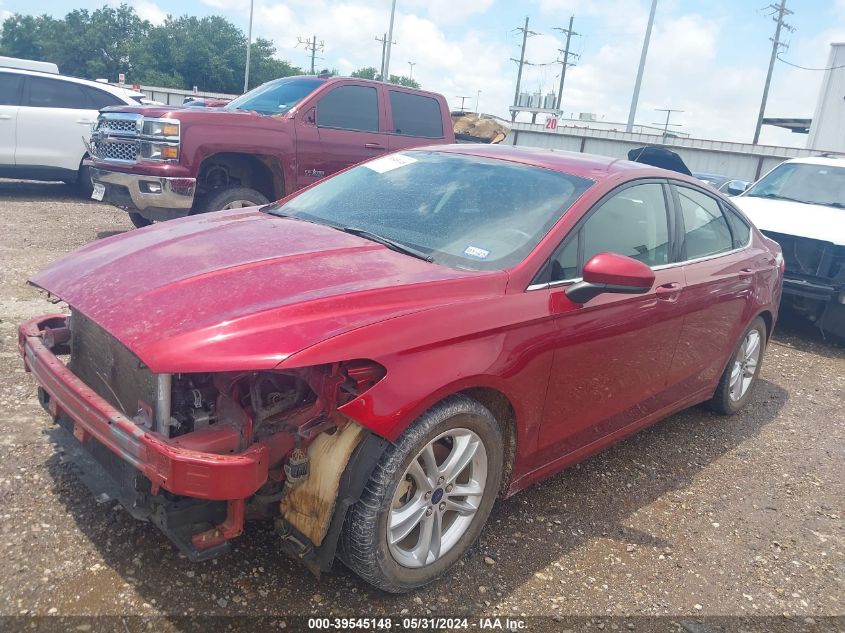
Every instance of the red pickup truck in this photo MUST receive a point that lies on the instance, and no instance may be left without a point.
(161, 163)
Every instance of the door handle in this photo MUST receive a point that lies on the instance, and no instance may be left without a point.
(746, 273)
(373, 146)
(668, 292)
(5, 117)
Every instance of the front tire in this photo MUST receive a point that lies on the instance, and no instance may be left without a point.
(139, 220)
(427, 499)
(737, 382)
(231, 198)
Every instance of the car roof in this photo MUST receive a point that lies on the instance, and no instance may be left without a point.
(117, 91)
(592, 166)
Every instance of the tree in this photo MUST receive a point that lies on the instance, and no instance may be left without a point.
(182, 52)
(369, 72)
(366, 73)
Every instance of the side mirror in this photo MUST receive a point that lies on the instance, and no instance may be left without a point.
(611, 272)
(736, 187)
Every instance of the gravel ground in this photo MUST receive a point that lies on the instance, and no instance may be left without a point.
(697, 516)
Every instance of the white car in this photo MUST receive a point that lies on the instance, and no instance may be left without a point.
(801, 205)
(45, 121)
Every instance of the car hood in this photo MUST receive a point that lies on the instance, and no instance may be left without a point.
(244, 290)
(815, 221)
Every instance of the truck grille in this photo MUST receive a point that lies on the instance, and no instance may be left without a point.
(120, 150)
(814, 260)
(108, 367)
(115, 137)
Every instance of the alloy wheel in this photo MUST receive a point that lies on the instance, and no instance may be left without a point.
(437, 498)
(745, 365)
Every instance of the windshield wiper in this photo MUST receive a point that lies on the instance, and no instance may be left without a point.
(392, 245)
(774, 196)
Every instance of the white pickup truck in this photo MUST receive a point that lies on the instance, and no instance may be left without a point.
(801, 205)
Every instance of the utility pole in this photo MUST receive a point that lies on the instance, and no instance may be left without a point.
(521, 60)
(385, 70)
(463, 100)
(666, 123)
(781, 11)
(569, 33)
(383, 40)
(411, 64)
(633, 111)
(248, 47)
(313, 46)
(477, 99)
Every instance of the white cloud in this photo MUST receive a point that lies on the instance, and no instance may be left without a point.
(4, 13)
(146, 9)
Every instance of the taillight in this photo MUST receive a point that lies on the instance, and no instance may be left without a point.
(781, 262)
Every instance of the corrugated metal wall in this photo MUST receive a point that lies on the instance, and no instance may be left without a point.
(737, 160)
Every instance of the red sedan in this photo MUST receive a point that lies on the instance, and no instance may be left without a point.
(372, 361)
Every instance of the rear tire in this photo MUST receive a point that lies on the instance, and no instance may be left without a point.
(231, 198)
(412, 522)
(139, 220)
(737, 382)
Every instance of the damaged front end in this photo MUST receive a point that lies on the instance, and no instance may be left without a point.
(814, 280)
(198, 454)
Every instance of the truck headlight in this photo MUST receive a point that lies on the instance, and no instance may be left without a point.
(154, 127)
(151, 150)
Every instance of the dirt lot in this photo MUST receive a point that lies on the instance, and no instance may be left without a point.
(697, 516)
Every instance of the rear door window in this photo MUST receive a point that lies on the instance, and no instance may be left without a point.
(416, 115)
(52, 93)
(10, 89)
(706, 230)
(349, 108)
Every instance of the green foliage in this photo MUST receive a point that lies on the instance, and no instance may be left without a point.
(183, 52)
(366, 73)
(370, 72)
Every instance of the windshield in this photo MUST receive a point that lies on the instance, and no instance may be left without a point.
(803, 182)
(461, 211)
(275, 97)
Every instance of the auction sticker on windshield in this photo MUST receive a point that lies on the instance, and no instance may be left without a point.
(389, 163)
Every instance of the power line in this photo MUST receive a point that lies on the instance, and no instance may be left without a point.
(313, 46)
(565, 62)
(781, 11)
(781, 59)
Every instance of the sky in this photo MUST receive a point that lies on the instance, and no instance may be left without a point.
(707, 58)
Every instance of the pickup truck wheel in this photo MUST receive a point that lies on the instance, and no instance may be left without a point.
(139, 220)
(427, 499)
(84, 184)
(231, 198)
(737, 382)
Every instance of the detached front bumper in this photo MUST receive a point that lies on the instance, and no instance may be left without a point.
(120, 444)
(156, 198)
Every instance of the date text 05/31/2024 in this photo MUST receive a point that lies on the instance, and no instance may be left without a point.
(417, 624)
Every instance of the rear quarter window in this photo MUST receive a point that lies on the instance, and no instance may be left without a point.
(739, 227)
(416, 115)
